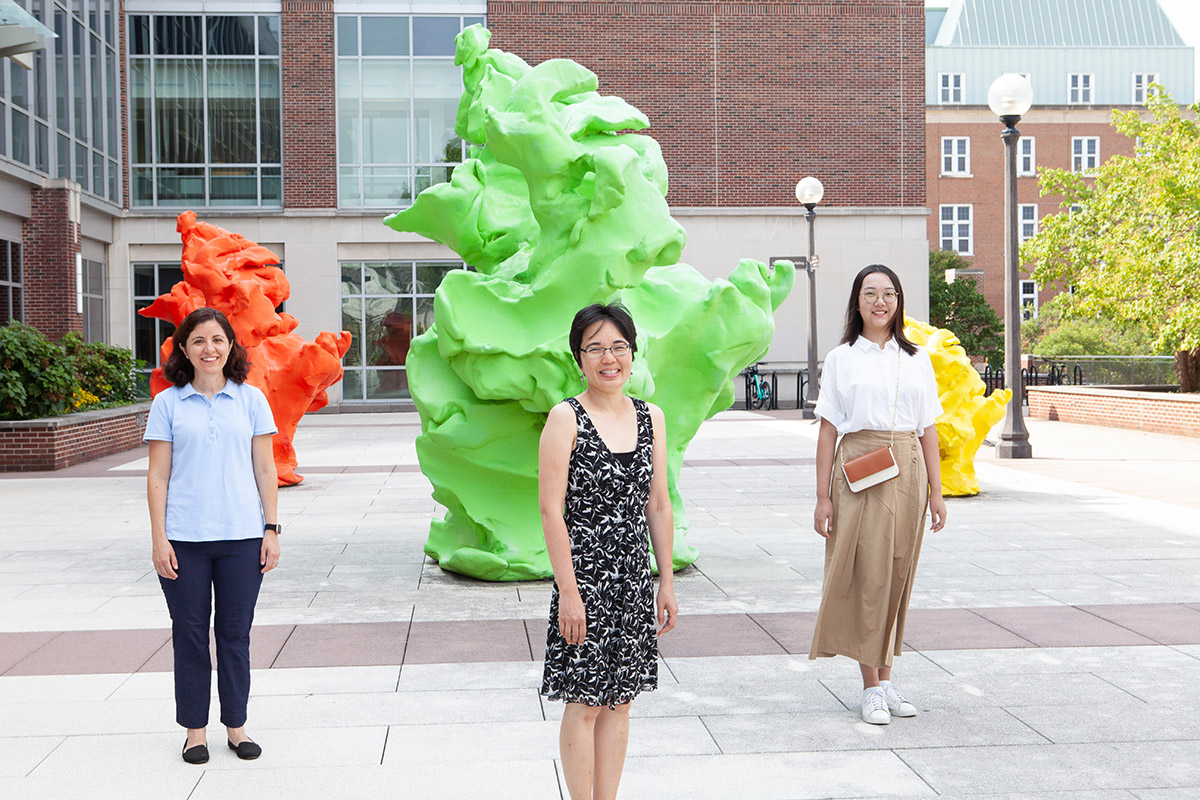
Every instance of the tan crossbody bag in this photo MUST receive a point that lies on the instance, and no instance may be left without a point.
(877, 466)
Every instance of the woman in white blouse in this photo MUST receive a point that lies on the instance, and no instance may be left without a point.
(877, 389)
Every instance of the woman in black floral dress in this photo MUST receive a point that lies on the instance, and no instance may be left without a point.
(603, 459)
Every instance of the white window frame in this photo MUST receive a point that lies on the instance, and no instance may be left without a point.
(1081, 87)
(1027, 214)
(1027, 156)
(1029, 299)
(1141, 86)
(958, 161)
(948, 93)
(959, 230)
(1083, 161)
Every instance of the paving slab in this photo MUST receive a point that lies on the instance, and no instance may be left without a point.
(75, 652)
(344, 645)
(1062, 627)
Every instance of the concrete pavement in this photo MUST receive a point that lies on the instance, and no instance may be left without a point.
(1054, 645)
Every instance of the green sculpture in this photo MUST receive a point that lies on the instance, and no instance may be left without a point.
(558, 206)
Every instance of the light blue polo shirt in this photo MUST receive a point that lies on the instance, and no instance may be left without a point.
(212, 494)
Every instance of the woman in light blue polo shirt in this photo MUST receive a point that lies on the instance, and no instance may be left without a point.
(212, 489)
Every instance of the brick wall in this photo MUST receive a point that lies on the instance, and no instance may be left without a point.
(50, 242)
(984, 188)
(35, 445)
(747, 98)
(308, 97)
(1155, 412)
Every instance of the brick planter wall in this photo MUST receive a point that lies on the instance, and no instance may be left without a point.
(1156, 412)
(31, 445)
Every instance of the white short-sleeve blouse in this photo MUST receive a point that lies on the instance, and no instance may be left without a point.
(858, 386)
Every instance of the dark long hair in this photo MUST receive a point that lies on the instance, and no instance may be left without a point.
(614, 312)
(179, 371)
(854, 320)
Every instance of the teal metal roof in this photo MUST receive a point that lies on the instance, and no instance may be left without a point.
(1056, 23)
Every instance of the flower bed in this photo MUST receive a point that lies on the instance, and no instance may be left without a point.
(1153, 411)
(50, 443)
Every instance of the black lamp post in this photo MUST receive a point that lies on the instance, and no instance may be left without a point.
(1009, 97)
(809, 192)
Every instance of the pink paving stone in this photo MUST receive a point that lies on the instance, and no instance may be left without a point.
(792, 630)
(366, 644)
(92, 653)
(467, 642)
(535, 632)
(1164, 623)
(265, 643)
(1062, 626)
(717, 635)
(16, 646)
(956, 629)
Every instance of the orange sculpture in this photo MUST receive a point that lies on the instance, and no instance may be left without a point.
(228, 272)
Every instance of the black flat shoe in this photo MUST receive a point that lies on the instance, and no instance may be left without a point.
(246, 751)
(195, 755)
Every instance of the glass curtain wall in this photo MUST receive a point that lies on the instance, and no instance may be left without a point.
(384, 305)
(204, 99)
(397, 95)
(149, 281)
(61, 118)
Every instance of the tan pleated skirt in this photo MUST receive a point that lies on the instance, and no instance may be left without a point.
(871, 556)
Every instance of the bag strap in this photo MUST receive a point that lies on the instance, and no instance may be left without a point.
(896, 398)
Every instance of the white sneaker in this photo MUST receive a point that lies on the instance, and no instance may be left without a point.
(897, 705)
(874, 707)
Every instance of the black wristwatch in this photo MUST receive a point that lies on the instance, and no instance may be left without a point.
(273, 527)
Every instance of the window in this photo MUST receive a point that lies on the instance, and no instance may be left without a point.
(950, 87)
(149, 281)
(60, 118)
(1029, 300)
(1085, 153)
(1027, 214)
(93, 301)
(10, 282)
(956, 229)
(1141, 86)
(384, 305)
(1079, 88)
(1026, 156)
(956, 155)
(397, 97)
(204, 115)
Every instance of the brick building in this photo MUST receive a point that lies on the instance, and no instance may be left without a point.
(302, 123)
(1083, 58)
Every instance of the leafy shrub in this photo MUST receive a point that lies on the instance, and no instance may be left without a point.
(37, 379)
(1059, 331)
(108, 372)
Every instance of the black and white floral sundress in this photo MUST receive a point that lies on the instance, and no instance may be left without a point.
(606, 520)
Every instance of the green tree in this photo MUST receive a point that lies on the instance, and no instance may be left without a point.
(1131, 246)
(960, 308)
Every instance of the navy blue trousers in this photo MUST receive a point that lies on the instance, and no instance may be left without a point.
(230, 570)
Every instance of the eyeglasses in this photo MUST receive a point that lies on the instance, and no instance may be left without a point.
(596, 351)
(890, 296)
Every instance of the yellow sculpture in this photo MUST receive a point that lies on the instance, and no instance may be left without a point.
(967, 415)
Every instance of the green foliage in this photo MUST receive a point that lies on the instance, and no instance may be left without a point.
(37, 378)
(960, 308)
(108, 372)
(1132, 248)
(1057, 332)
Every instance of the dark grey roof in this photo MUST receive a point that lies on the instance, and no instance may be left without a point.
(1057, 23)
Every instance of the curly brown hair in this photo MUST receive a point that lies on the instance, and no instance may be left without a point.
(179, 371)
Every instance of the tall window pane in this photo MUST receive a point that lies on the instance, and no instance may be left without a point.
(385, 87)
(436, 89)
(434, 36)
(139, 111)
(232, 117)
(177, 36)
(179, 110)
(385, 36)
(271, 149)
